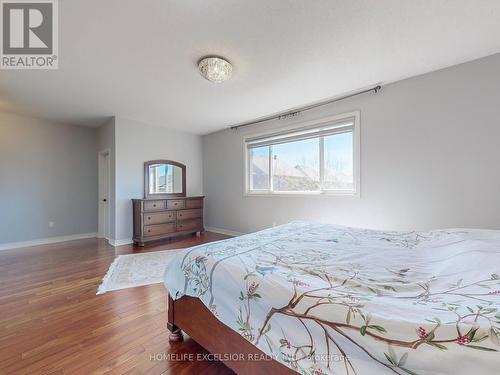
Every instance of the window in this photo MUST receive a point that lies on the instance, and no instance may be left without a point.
(316, 158)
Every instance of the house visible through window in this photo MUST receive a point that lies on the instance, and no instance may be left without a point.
(318, 158)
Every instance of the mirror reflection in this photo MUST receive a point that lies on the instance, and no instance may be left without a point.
(165, 179)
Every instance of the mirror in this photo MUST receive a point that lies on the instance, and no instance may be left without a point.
(164, 178)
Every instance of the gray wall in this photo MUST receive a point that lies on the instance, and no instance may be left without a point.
(430, 153)
(138, 142)
(48, 172)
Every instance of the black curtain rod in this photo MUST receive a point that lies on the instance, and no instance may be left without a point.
(293, 113)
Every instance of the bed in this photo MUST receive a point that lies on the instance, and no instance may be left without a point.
(318, 298)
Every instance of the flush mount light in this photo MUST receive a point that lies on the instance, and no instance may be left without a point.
(215, 69)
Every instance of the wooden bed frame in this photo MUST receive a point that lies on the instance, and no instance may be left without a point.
(190, 315)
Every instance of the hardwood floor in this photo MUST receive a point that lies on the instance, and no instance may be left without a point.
(52, 322)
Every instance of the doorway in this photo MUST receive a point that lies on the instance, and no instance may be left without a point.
(104, 226)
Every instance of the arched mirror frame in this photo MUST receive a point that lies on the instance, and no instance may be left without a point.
(147, 164)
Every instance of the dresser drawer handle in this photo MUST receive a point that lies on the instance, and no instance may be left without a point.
(180, 226)
(154, 205)
(175, 204)
(149, 230)
(149, 217)
(180, 215)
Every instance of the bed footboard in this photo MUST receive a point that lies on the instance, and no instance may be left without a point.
(190, 315)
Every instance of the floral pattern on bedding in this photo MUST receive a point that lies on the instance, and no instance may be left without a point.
(328, 299)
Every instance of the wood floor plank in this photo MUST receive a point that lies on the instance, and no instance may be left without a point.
(52, 322)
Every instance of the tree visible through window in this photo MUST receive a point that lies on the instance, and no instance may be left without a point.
(295, 166)
(259, 168)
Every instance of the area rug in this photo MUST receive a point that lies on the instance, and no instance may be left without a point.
(131, 270)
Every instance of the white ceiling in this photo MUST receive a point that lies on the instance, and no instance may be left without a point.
(137, 59)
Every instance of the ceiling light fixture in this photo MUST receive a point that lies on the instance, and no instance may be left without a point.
(215, 69)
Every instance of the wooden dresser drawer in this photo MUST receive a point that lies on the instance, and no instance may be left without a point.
(188, 225)
(158, 229)
(175, 204)
(154, 205)
(189, 214)
(163, 217)
(159, 217)
(194, 203)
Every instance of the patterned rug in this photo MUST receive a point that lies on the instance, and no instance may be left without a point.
(131, 270)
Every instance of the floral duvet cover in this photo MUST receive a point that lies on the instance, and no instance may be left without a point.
(329, 299)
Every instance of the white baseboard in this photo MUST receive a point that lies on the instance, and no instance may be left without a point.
(128, 241)
(46, 241)
(224, 231)
(125, 241)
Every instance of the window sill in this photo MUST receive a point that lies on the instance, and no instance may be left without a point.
(304, 194)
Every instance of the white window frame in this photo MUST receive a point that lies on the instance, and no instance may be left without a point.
(355, 193)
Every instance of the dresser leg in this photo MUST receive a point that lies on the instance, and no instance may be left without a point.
(198, 234)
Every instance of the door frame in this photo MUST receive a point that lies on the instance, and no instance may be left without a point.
(104, 183)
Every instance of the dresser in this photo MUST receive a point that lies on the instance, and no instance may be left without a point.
(156, 219)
